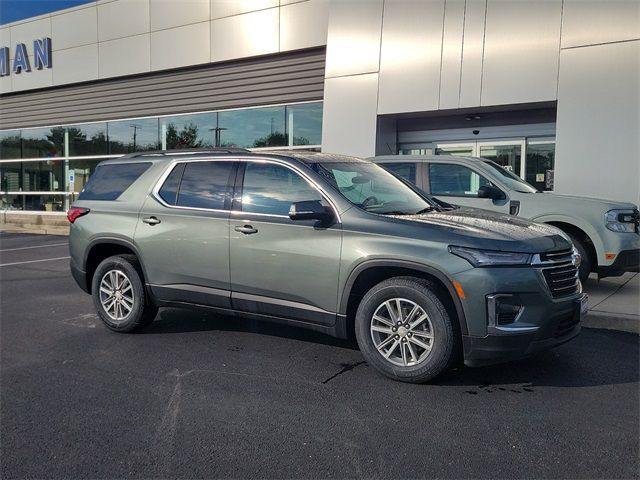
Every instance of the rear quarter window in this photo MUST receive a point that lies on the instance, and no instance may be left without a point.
(108, 182)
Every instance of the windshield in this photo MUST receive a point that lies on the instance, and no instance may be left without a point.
(511, 179)
(373, 188)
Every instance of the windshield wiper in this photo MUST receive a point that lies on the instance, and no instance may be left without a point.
(394, 212)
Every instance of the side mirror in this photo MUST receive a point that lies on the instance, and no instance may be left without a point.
(488, 191)
(309, 210)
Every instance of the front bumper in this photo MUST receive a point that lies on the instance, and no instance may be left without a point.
(626, 261)
(561, 327)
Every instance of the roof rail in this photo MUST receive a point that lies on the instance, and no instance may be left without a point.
(186, 151)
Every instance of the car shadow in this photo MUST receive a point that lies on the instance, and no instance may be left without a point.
(596, 357)
(174, 320)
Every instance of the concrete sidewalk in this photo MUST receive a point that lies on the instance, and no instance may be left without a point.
(614, 303)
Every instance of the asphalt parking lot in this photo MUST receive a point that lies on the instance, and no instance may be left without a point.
(201, 396)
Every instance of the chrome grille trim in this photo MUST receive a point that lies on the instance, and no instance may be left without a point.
(559, 271)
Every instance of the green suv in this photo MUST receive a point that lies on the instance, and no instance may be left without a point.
(327, 242)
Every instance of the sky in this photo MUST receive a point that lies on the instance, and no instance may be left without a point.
(13, 10)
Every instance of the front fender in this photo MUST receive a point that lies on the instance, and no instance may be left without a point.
(586, 227)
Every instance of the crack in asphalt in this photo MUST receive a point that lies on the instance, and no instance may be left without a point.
(345, 368)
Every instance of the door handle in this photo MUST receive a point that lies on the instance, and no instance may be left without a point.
(151, 221)
(246, 229)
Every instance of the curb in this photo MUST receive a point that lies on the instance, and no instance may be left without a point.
(612, 321)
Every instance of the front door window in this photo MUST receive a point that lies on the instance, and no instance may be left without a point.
(507, 156)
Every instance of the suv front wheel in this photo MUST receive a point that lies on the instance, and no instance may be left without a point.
(119, 296)
(404, 330)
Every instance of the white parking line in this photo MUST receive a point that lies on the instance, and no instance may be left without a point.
(34, 261)
(35, 246)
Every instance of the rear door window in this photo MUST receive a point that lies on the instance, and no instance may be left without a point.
(449, 179)
(206, 185)
(108, 182)
(169, 190)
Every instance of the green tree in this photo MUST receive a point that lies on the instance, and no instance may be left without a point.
(186, 138)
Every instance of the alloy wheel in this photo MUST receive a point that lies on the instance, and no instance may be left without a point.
(116, 295)
(402, 332)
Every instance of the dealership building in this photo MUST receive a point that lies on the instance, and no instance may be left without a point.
(550, 89)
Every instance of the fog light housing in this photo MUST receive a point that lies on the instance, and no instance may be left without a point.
(503, 309)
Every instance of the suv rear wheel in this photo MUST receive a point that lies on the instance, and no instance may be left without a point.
(119, 296)
(404, 330)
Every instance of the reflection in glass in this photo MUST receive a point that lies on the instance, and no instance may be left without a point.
(87, 139)
(507, 156)
(461, 151)
(42, 142)
(42, 176)
(10, 144)
(188, 131)
(304, 124)
(253, 127)
(540, 164)
(136, 135)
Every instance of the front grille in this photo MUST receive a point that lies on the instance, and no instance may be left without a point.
(566, 324)
(560, 273)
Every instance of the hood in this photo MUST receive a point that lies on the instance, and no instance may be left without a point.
(476, 228)
(571, 201)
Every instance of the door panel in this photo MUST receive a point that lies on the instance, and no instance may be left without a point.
(278, 266)
(189, 245)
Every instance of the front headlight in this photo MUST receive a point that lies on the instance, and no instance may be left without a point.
(623, 221)
(490, 258)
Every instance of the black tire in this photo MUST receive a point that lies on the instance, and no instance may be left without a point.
(445, 343)
(142, 312)
(587, 263)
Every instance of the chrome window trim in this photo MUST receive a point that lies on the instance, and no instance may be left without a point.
(155, 192)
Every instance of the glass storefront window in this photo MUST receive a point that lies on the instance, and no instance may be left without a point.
(10, 176)
(130, 136)
(43, 142)
(188, 131)
(304, 124)
(45, 176)
(87, 139)
(540, 165)
(81, 170)
(48, 203)
(253, 127)
(10, 144)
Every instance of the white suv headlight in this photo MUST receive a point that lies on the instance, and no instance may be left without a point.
(623, 221)
(490, 258)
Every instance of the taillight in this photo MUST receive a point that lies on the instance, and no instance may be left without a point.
(76, 212)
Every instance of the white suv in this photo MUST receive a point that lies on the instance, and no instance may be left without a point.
(604, 232)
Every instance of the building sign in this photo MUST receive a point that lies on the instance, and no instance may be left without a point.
(21, 62)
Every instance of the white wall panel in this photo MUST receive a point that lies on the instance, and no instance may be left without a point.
(451, 54)
(5, 37)
(245, 35)
(410, 56)
(304, 24)
(75, 28)
(588, 22)
(522, 43)
(5, 87)
(472, 52)
(226, 8)
(113, 61)
(27, 32)
(170, 13)
(78, 64)
(182, 46)
(353, 42)
(597, 150)
(349, 115)
(34, 79)
(122, 18)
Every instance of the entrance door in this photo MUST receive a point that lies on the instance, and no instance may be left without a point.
(507, 153)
